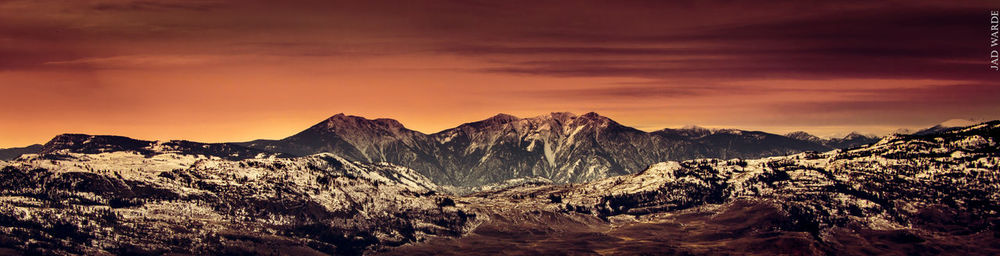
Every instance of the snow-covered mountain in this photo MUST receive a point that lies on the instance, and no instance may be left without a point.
(946, 126)
(905, 194)
(560, 146)
(733, 143)
(910, 194)
(801, 135)
(131, 202)
(886, 183)
(851, 140)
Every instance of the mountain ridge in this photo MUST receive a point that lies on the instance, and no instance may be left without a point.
(852, 139)
(15, 152)
(947, 125)
(93, 144)
(560, 146)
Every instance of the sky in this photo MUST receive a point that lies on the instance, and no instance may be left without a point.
(217, 71)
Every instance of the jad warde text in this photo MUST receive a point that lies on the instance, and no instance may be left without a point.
(993, 37)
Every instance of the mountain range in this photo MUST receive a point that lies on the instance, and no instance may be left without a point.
(949, 125)
(561, 147)
(927, 194)
(905, 194)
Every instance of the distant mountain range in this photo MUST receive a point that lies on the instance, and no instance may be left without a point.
(945, 126)
(560, 146)
(94, 144)
(925, 194)
(853, 139)
(11, 153)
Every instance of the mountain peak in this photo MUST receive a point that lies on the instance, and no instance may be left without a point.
(342, 116)
(592, 115)
(502, 117)
(854, 135)
(696, 128)
(569, 115)
(343, 121)
(945, 126)
(958, 123)
(798, 133)
(497, 119)
(802, 135)
(70, 137)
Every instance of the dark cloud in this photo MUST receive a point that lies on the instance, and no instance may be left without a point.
(648, 39)
(889, 42)
(148, 5)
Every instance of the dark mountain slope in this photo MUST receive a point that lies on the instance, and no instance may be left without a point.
(560, 146)
(12, 153)
(365, 140)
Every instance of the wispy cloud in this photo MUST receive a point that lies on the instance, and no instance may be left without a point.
(140, 61)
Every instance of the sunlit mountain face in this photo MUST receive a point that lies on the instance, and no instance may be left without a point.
(209, 127)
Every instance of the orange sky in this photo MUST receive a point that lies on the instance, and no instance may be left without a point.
(240, 70)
